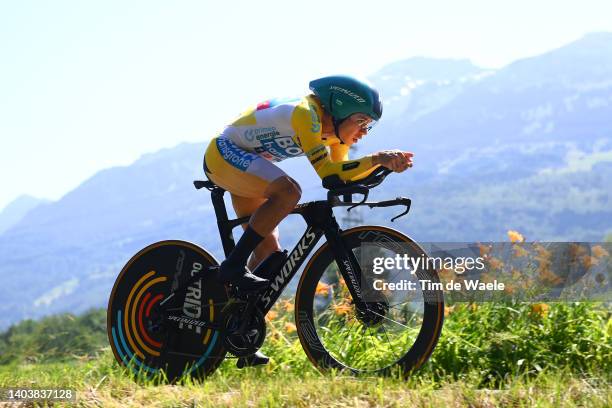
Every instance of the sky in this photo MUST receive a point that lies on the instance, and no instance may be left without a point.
(87, 85)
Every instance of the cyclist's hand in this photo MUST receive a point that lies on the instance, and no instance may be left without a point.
(395, 160)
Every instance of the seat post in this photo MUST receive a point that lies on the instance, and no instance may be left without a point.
(225, 230)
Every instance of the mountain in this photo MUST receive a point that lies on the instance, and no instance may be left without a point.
(562, 96)
(525, 147)
(528, 146)
(417, 86)
(17, 209)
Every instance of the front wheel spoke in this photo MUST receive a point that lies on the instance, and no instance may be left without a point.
(395, 306)
(391, 320)
(389, 342)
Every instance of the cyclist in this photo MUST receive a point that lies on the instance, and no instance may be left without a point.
(322, 126)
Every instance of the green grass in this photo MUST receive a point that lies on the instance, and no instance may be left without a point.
(490, 354)
(100, 382)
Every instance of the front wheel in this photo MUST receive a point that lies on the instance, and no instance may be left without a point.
(401, 327)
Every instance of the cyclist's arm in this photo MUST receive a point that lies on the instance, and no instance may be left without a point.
(308, 133)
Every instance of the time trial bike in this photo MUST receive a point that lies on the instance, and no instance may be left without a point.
(168, 312)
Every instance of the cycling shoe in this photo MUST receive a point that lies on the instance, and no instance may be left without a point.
(244, 281)
(258, 358)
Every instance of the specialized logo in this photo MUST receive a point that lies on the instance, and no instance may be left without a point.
(351, 274)
(347, 92)
(189, 322)
(294, 258)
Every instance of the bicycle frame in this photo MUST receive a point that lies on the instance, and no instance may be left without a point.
(320, 221)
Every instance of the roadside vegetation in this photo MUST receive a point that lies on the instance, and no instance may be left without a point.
(489, 354)
(498, 353)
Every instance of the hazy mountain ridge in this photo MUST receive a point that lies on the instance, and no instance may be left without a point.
(14, 211)
(494, 151)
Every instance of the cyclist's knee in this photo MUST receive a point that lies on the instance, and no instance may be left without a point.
(286, 189)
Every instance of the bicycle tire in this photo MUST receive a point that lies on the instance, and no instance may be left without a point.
(313, 340)
(147, 279)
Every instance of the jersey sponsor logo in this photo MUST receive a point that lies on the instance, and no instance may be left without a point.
(350, 166)
(288, 145)
(318, 159)
(281, 148)
(314, 117)
(260, 133)
(347, 92)
(234, 155)
(315, 151)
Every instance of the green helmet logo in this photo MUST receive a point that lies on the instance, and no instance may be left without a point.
(342, 96)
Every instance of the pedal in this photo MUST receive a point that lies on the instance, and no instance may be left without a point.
(258, 358)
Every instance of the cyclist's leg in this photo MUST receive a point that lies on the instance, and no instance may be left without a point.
(247, 175)
(261, 235)
(245, 206)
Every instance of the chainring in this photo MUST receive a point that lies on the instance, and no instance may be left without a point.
(249, 340)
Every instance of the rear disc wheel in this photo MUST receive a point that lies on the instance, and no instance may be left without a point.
(175, 342)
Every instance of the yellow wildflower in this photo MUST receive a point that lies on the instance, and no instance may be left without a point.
(290, 327)
(547, 276)
(576, 251)
(540, 309)
(543, 253)
(519, 251)
(589, 261)
(515, 236)
(342, 308)
(599, 252)
(484, 250)
(322, 289)
(495, 263)
(271, 315)
(288, 306)
(448, 310)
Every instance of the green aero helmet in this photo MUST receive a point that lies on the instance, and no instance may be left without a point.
(342, 96)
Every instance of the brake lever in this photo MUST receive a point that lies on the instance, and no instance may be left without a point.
(366, 193)
(390, 203)
(402, 214)
(407, 203)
